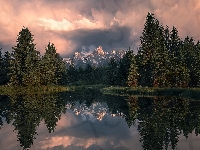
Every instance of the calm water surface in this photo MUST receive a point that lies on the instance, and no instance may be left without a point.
(93, 121)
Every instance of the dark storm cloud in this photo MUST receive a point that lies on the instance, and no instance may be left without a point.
(114, 38)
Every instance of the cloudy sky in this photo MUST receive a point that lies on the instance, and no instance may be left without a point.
(85, 24)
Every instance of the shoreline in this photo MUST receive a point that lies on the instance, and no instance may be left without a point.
(113, 90)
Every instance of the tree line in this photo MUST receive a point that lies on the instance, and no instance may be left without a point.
(163, 60)
(115, 73)
(24, 66)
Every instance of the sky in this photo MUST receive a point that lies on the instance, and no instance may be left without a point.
(84, 25)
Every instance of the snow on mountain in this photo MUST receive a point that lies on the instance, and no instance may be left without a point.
(97, 58)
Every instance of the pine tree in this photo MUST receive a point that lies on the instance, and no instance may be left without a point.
(167, 37)
(171, 42)
(161, 61)
(178, 72)
(191, 57)
(61, 71)
(124, 65)
(183, 71)
(133, 74)
(23, 60)
(145, 52)
(6, 60)
(2, 70)
(72, 74)
(197, 51)
(88, 72)
(54, 69)
(32, 76)
(152, 55)
(112, 72)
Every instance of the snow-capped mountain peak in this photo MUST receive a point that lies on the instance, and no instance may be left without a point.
(97, 58)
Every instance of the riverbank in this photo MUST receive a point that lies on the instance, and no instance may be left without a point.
(7, 90)
(114, 90)
(181, 92)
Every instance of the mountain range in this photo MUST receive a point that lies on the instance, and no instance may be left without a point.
(97, 58)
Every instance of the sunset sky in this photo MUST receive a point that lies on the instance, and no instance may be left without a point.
(76, 25)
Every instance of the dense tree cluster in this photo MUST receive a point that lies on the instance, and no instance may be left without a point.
(4, 68)
(163, 59)
(25, 67)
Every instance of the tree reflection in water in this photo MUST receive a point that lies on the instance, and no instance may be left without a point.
(28, 111)
(164, 119)
(160, 120)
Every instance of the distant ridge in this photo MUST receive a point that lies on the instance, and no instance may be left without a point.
(97, 58)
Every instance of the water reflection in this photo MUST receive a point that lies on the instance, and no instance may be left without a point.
(91, 120)
(27, 111)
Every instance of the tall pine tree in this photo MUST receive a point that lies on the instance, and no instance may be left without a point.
(191, 60)
(6, 62)
(178, 75)
(124, 65)
(112, 72)
(152, 55)
(2, 72)
(161, 59)
(53, 67)
(24, 60)
(197, 52)
(133, 74)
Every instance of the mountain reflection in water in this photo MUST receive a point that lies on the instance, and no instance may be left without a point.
(93, 121)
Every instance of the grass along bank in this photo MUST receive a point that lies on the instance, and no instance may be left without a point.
(193, 93)
(7, 90)
(181, 92)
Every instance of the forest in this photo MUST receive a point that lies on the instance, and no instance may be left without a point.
(163, 60)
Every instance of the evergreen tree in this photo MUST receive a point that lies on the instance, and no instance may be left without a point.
(112, 72)
(80, 75)
(178, 73)
(167, 37)
(2, 72)
(124, 65)
(54, 69)
(191, 60)
(152, 54)
(23, 60)
(102, 75)
(161, 60)
(6, 60)
(197, 51)
(72, 74)
(145, 52)
(4, 68)
(88, 74)
(32, 76)
(133, 74)
(61, 71)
